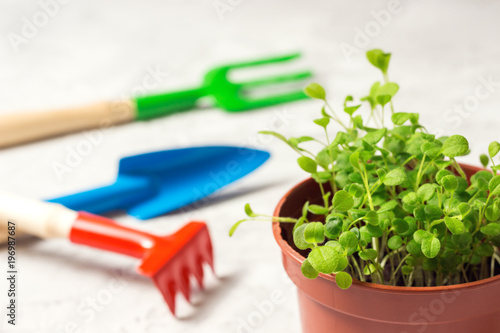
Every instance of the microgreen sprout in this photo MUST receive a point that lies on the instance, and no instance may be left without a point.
(397, 208)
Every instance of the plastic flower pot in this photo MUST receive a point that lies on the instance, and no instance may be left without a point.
(374, 308)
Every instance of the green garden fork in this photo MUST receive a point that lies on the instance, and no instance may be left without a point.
(230, 96)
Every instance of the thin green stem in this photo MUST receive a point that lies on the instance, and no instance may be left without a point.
(459, 169)
(419, 174)
(355, 263)
(365, 181)
(335, 117)
(401, 262)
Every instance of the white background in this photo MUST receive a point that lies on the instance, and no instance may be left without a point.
(94, 50)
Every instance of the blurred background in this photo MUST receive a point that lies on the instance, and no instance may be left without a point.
(59, 53)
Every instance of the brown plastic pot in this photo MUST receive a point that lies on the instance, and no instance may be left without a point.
(374, 308)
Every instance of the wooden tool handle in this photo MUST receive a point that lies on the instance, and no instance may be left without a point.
(3, 234)
(24, 127)
(42, 219)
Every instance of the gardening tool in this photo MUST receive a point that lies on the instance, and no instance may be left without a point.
(156, 183)
(168, 260)
(230, 96)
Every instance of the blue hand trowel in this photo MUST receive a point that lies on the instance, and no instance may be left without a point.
(156, 183)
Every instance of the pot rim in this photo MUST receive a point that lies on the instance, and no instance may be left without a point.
(298, 258)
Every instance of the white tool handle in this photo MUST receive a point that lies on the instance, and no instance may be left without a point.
(42, 219)
(17, 128)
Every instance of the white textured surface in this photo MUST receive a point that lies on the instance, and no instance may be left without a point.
(94, 50)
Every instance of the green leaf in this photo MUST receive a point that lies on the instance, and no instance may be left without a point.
(412, 226)
(354, 160)
(315, 90)
(492, 212)
(425, 192)
(324, 159)
(388, 206)
(450, 183)
(299, 222)
(455, 145)
(494, 185)
(420, 235)
(493, 149)
(305, 209)
(349, 241)
(395, 242)
(343, 280)
(371, 217)
(419, 213)
(491, 229)
(413, 247)
(400, 225)
(433, 212)
(374, 230)
(249, 211)
(454, 225)
(463, 184)
(462, 240)
(314, 232)
(484, 160)
(440, 174)
(390, 89)
(333, 228)
(383, 99)
(375, 136)
(410, 198)
(399, 118)
(395, 177)
(485, 250)
(464, 209)
(294, 142)
(235, 226)
(324, 259)
(336, 245)
(431, 247)
(431, 149)
(482, 184)
(299, 238)
(358, 122)
(340, 138)
(364, 236)
(351, 109)
(323, 122)
(343, 263)
(379, 59)
(318, 210)
(381, 173)
(308, 270)
(356, 190)
(406, 269)
(342, 201)
(369, 269)
(368, 254)
(348, 98)
(307, 164)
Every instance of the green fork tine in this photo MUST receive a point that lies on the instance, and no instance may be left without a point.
(231, 96)
(276, 79)
(264, 61)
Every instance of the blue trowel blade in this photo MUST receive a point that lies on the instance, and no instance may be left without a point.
(156, 183)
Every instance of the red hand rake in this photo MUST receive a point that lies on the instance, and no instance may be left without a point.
(168, 260)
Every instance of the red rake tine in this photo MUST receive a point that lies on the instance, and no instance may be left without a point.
(168, 260)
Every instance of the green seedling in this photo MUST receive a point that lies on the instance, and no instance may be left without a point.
(397, 208)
